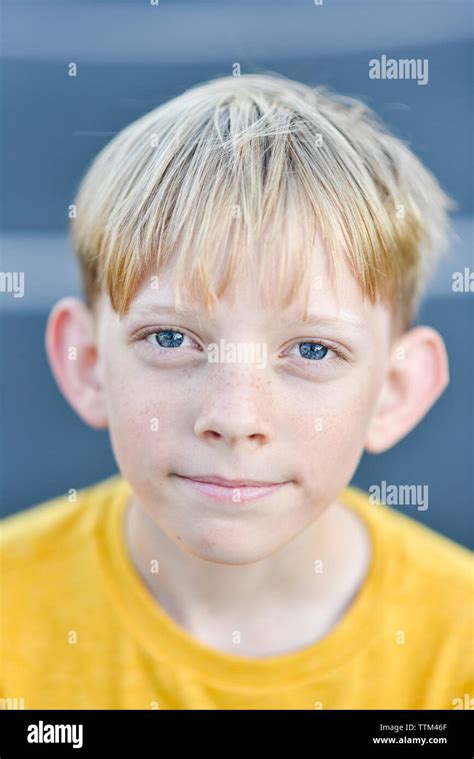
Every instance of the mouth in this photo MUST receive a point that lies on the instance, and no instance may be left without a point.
(236, 491)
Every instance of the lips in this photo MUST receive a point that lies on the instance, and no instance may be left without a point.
(243, 482)
(236, 491)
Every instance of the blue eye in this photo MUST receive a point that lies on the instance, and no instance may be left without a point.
(167, 338)
(314, 351)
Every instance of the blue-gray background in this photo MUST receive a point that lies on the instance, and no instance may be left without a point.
(130, 58)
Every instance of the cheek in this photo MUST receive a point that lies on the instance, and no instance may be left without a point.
(144, 418)
(329, 428)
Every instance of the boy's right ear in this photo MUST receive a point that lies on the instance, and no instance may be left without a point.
(71, 346)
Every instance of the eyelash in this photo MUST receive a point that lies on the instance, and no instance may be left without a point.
(341, 354)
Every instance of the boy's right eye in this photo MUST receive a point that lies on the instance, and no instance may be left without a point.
(168, 338)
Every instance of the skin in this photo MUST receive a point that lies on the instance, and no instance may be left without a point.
(237, 566)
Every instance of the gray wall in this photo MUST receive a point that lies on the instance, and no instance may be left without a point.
(130, 58)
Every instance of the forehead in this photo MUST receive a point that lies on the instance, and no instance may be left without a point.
(322, 298)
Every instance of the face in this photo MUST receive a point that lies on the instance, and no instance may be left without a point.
(295, 412)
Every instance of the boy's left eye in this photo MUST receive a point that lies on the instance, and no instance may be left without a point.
(313, 351)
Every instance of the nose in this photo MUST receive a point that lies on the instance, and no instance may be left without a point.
(237, 411)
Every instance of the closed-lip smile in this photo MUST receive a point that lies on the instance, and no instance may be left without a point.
(236, 491)
(231, 483)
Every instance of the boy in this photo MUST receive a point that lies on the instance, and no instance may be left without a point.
(253, 254)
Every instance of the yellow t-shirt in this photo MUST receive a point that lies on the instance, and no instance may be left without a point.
(81, 630)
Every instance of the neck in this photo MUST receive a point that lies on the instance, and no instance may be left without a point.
(285, 601)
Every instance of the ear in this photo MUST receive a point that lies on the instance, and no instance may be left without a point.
(418, 373)
(71, 347)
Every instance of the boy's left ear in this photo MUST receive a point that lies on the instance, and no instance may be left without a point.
(418, 373)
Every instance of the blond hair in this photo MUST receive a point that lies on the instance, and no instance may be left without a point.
(258, 159)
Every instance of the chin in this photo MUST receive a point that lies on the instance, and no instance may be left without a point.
(224, 549)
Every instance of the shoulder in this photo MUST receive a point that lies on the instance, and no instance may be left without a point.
(434, 573)
(422, 590)
(49, 529)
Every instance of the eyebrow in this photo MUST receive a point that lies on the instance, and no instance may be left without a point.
(323, 320)
(157, 309)
(316, 320)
